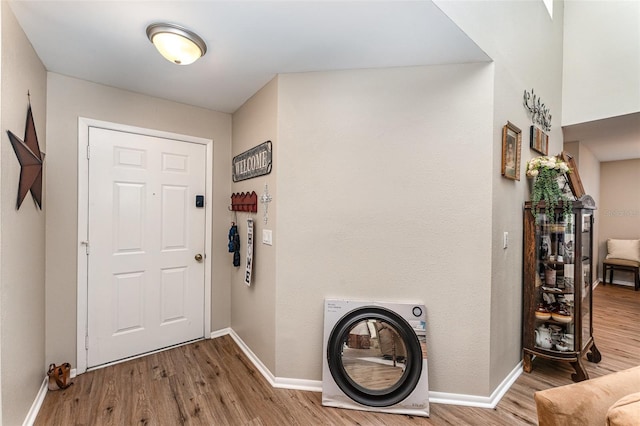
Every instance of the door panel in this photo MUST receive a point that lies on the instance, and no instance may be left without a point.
(174, 217)
(145, 289)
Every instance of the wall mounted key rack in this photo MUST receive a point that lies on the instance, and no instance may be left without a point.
(244, 202)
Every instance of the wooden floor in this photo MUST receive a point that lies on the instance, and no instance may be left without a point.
(212, 383)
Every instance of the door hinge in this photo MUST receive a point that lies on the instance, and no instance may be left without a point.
(86, 246)
(86, 342)
(88, 151)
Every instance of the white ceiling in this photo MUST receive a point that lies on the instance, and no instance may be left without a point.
(249, 42)
(611, 139)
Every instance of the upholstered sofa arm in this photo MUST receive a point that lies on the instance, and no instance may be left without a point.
(586, 402)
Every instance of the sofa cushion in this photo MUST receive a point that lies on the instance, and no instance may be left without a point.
(585, 403)
(623, 249)
(621, 262)
(626, 411)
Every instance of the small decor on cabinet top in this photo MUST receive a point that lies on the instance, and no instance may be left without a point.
(545, 171)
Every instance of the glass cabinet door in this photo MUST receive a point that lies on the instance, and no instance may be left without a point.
(587, 281)
(555, 281)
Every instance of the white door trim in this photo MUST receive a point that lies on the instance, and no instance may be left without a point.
(83, 219)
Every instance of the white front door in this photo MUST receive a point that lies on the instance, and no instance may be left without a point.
(145, 233)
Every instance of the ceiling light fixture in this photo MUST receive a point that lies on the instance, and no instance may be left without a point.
(175, 43)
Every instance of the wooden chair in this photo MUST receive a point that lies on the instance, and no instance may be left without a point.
(610, 265)
(622, 255)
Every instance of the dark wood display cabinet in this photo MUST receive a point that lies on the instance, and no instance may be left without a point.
(557, 278)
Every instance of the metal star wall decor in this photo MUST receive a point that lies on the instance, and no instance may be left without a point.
(30, 158)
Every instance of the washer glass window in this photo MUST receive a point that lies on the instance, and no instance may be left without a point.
(374, 356)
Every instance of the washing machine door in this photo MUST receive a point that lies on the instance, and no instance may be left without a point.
(374, 356)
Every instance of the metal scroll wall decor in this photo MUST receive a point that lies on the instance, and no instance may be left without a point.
(539, 112)
(30, 158)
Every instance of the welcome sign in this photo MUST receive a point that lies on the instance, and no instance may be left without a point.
(253, 163)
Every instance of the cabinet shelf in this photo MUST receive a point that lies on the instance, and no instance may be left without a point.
(555, 262)
(553, 322)
(556, 290)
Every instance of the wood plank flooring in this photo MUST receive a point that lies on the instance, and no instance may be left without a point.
(211, 382)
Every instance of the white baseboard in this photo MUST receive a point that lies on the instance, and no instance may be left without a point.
(316, 385)
(478, 401)
(35, 407)
(276, 382)
(42, 393)
(298, 384)
(220, 333)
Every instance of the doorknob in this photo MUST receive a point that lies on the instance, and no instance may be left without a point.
(198, 257)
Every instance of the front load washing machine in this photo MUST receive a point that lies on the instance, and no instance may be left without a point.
(375, 357)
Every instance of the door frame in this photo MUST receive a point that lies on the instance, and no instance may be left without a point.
(84, 124)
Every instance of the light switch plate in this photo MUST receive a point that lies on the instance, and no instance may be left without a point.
(267, 237)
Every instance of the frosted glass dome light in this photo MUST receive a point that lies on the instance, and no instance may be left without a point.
(176, 44)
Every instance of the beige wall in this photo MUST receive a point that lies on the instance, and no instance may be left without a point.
(619, 208)
(253, 309)
(70, 98)
(589, 170)
(384, 183)
(22, 248)
(526, 46)
(349, 151)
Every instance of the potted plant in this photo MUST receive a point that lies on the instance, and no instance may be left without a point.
(545, 172)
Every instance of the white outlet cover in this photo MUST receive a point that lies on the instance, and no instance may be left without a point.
(267, 237)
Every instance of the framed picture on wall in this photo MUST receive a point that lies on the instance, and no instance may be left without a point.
(511, 146)
(539, 141)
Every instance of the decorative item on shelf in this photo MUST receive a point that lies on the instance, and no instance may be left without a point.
(543, 337)
(244, 202)
(545, 171)
(542, 313)
(549, 276)
(561, 314)
(575, 183)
